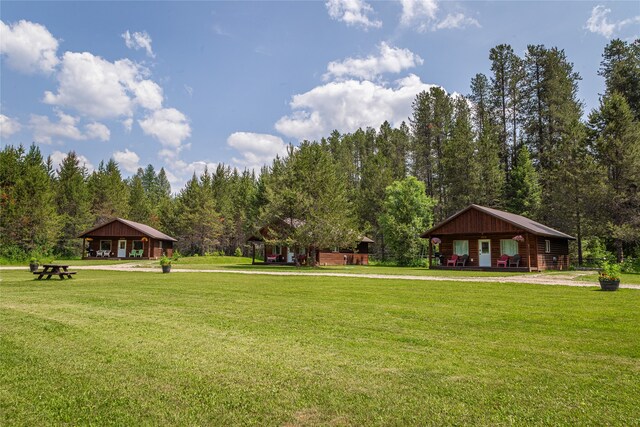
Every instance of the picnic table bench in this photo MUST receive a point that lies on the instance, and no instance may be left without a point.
(53, 270)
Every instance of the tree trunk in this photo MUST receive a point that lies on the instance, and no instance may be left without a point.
(313, 256)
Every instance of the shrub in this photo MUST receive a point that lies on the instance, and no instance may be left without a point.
(238, 252)
(164, 261)
(610, 271)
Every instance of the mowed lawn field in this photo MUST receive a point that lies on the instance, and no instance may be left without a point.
(131, 348)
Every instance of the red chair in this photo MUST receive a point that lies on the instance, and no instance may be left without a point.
(503, 260)
(452, 261)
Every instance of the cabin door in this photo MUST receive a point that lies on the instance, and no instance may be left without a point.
(122, 248)
(484, 253)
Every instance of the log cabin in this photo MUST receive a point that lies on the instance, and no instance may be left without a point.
(274, 254)
(124, 239)
(484, 238)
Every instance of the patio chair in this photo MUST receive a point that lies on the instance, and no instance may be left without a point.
(503, 260)
(462, 260)
(514, 261)
(452, 261)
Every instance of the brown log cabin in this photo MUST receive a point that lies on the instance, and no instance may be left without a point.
(123, 239)
(274, 254)
(481, 237)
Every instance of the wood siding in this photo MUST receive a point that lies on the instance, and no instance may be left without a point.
(151, 248)
(557, 258)
(446, 248)
(342, 258)
(474, 222)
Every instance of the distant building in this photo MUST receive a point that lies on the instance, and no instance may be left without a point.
(121, 238)
(281, 254)
(481, 237)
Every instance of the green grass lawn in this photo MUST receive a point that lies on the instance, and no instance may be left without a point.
(625, 278)
(122, 348)
(238, 263)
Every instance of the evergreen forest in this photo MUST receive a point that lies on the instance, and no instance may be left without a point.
(519, 141)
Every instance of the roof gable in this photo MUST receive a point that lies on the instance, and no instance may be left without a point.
(480, 219)
(130, 227)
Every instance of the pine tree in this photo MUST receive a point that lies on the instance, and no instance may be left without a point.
(110, 194)
(615, 138)
(73, 204)
(140, 209)
(524, 188)
(459, 165)
(620, 68)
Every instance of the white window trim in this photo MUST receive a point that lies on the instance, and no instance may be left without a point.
(547, 246)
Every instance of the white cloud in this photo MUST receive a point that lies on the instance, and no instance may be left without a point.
(29, 47)
(58, 156)
(44, 130)
(189, 90)
(352, 12)
(138, 40)
(127, 124)
(129, 160)
(8, 126)
(169, 126)
(349, 105)
(97, 131)
(422, 15)
(456, 20)
(98, 88)
(390, 60)
(416, 12)
(599, 23)
(256, 149)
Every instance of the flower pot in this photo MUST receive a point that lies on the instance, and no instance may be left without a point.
(609, 285)
(33, 267)
(166, 268)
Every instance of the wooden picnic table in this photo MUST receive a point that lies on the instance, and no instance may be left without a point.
(53, 270)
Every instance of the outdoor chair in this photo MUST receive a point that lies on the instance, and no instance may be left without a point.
(462, 260)
(514, 261)
(503, 260)
(452, 261)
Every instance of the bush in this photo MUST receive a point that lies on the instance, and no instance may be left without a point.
(610, 271)
(164, 261)
(238, 252)
(630, 265)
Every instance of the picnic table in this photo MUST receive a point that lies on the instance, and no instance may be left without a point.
(53, 270)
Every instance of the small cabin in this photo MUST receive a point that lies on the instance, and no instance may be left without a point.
(482, 238)
(282, 254)
(123, 239)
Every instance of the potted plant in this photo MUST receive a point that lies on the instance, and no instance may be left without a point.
(609, 276)
(165, 262)
(33, 264)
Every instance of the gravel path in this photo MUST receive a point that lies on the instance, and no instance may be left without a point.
(537, 279)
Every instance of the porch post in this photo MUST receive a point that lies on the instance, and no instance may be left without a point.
(84, 248)
(253, 253)
(430, 251)
(526, 239)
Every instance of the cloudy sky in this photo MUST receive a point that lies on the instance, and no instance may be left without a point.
(188, 84)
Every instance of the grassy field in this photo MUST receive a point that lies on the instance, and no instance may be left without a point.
(238, 263)
(122, 348)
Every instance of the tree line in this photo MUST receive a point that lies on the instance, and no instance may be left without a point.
(517, 142)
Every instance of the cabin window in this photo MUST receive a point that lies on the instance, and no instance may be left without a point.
(277, 250)
(137, 245)
(335, 249)
(508, 247)
(461, 247)
(105, 245)
(547, 246)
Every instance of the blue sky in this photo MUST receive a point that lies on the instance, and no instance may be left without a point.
(186, 85)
